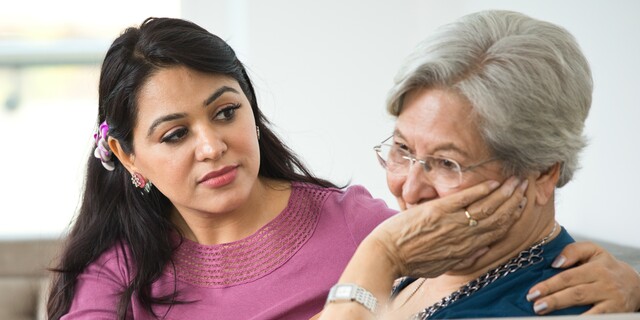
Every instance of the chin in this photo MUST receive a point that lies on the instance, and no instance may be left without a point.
(223, 202)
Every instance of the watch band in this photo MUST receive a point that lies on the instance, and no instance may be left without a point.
(352, 292)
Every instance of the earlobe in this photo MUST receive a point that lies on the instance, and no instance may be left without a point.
(126, 159)
(546, 183)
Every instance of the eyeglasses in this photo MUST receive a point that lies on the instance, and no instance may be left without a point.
(443, 172)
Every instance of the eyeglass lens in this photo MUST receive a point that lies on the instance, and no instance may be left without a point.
(440, 171)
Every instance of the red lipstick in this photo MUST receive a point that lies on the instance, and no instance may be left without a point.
(219, 178)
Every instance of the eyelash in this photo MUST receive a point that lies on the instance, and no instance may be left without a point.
(401, 145)
(228, 114)
(230, 109)
(174, 136)
(404, 147)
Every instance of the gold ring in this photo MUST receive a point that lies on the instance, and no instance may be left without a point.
(472, 222)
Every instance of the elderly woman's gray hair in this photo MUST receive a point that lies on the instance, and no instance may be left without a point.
(527, 80)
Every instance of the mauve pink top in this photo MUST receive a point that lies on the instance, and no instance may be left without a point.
(283, 271)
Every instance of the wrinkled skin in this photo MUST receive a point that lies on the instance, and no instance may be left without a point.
(435, 237)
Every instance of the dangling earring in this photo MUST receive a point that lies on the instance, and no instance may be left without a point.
(138, 181)
(258, 132)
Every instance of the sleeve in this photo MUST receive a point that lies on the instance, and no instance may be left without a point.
(98, 288)
(362, 212)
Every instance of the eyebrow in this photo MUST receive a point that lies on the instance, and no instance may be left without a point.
(175, 116)
(217, 94)
(444, 147)
(169, 117)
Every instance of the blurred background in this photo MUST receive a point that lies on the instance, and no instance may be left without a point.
(322, 70)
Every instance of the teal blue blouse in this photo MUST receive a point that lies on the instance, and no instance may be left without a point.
(506, 297)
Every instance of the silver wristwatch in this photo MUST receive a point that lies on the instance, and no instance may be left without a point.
(352, 292)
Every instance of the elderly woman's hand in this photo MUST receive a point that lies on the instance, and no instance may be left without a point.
(428, 240)
(437, 236)
(610, 285)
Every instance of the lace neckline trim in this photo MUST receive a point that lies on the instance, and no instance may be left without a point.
(248, 259)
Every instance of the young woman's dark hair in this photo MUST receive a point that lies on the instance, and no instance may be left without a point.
(113, 212)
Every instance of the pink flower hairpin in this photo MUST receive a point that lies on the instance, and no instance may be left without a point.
(102, 151)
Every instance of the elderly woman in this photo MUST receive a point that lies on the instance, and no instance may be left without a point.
(493, 95)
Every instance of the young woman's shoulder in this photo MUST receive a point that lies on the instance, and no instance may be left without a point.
(100, 284)
(354, 206)
(115, 264)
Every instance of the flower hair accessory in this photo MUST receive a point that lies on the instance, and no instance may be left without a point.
(102, 151)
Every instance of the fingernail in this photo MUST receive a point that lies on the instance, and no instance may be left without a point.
(558, 262)
(494, 184)
(523, 203)
(531, 296)
(512, 185)
(538, 307)
(523, 185)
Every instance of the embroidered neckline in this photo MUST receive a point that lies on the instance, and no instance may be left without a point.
(257, 255)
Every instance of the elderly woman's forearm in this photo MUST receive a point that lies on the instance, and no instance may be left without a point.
(371, 269)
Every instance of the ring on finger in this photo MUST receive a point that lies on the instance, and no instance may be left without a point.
(472, 222)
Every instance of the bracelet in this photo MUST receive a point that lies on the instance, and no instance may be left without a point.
(352, 292)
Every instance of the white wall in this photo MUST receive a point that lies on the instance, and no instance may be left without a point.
(45, 142)
(322, 70)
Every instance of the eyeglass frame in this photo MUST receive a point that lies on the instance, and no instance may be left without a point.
(425, 167)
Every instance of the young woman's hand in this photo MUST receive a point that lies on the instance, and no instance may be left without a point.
(612, 286)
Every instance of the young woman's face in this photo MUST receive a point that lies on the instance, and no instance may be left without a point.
(196, 141)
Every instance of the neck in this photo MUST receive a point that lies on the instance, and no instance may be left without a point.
(267, 200)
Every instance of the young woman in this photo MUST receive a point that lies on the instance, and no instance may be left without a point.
(194, 209)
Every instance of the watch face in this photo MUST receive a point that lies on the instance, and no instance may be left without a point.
(343, 291)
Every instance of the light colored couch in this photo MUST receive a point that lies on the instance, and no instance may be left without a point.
(24, 279)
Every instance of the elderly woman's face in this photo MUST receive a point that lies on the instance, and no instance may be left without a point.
(438, 122)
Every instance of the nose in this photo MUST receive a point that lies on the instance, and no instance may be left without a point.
(209, 145)
(417, 188)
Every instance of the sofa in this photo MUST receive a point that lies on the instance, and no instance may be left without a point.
(24, 279)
